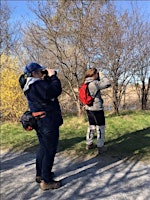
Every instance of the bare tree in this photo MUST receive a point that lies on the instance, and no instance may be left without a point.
(8, 30)
(142, 65)
(75, 35)
(61, 35)
(117, 42)
(4, 28)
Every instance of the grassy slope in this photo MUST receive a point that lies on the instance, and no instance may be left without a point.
(126, 135)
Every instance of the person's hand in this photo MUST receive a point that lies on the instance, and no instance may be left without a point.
(50, 72)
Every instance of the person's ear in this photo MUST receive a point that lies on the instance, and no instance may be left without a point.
(33, 74)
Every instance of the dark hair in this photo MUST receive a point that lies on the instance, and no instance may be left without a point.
(36, 71)
(22, 80)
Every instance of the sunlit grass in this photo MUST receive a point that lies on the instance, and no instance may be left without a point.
(13, 137)
(127, 134)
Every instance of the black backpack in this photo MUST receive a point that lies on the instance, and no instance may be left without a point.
(28, 121)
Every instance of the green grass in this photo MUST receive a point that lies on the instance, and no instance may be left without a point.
(127, 134)
(14, 137)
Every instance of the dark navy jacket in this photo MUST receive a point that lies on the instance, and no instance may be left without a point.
(42, 96)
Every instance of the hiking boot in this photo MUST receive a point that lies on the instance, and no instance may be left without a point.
(90, 146)
(38, 179)
(102, 150)
(52, 185)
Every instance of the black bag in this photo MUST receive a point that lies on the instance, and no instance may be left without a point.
(28, 121)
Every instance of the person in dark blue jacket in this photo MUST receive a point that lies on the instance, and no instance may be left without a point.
(42, 89)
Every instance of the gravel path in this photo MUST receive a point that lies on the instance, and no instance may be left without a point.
(96, 178)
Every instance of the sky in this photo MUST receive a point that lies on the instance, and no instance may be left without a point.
(19, 9)
(21, 12)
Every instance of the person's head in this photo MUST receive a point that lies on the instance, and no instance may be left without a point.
(34, 70)
(91, 73)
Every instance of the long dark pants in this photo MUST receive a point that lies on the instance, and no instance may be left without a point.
(48, 136)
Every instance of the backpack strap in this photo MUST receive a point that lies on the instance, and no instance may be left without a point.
(89, 90)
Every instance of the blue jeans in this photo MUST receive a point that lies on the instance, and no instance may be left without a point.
(48, 135)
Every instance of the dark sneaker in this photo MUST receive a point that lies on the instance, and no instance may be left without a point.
(91, 146)
(52, 185)
(38, 179)
(102, 150)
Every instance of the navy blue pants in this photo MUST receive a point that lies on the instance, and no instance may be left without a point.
(48, 135)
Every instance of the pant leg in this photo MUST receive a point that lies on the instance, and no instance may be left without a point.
(39, 158)
(48, 136)
(90, 134)
(91, 127)
(100, 135)
(50, 143)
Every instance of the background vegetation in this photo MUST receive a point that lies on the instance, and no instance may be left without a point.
(72, 36)
(126, 135)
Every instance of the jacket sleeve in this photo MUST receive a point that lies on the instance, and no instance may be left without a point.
(103, 83)
(46, 89)
(53, 87)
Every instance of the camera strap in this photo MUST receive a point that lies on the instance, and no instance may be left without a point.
(39, 114)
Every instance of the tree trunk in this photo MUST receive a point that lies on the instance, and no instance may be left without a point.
(145, 94)
(79, 108)
(115, 99)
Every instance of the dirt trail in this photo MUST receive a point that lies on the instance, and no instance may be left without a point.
(96, 178)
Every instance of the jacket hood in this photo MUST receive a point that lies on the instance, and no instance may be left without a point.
(30, 81)
(88, 80)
